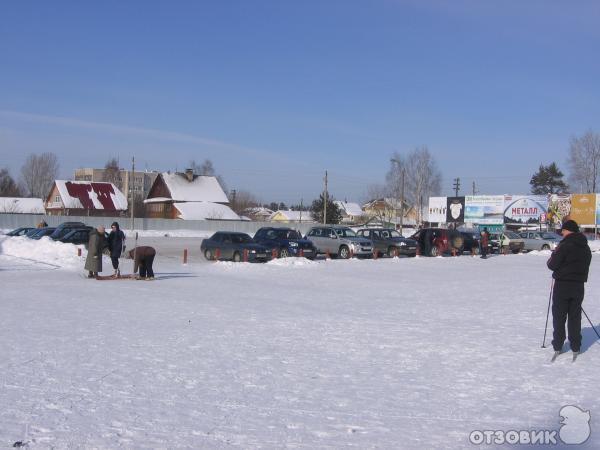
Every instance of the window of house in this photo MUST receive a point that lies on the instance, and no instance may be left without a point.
(57, 199)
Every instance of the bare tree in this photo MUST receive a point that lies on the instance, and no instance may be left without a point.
(112, 173)
(242, 201)
(8, 186)
(207, 169)
(584, 162)
(38, 173)
(422, 178)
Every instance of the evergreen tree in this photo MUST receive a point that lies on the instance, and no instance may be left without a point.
(334, 214)
(548, 180)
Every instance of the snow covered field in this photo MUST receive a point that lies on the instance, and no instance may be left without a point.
(392, 353)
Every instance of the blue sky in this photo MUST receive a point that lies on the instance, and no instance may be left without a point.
(277, 92)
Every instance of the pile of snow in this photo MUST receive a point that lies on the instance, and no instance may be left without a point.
(44, 252)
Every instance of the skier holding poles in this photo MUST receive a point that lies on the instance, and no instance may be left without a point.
(570, 264)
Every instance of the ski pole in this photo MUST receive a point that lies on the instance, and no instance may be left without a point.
(586, 316)
(548, 313)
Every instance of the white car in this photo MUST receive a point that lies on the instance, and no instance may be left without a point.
(540, 240)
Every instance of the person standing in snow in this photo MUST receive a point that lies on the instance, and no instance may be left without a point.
(143, 258)
(116, 241)
(570, 264)
(484, 242)
(93, 262)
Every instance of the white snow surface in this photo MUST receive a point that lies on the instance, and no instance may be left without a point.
(205, 210)
(19, 205)
(202, 188)
(387, 353)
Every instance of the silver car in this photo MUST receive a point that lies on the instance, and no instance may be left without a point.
(539, 240)
(339, 241)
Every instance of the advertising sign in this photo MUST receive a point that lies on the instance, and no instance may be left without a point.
(484, 209)
(583, 209)
(455, 210)
(437, 209)
(524, 209)
(597, 209)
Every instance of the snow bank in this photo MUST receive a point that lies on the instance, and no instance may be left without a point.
(44, 252)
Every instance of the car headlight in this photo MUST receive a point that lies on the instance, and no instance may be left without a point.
(402, 244)
(293, 244)
(252, 251)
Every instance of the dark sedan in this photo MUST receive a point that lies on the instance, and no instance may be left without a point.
(21, 231)
(41, 232)
(77, 236)
(387, 241)
(286, 241)
(235, 247)
(65, 228)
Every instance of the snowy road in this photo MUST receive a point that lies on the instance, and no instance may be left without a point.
(402, 353)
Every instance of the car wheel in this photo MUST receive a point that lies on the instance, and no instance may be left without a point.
(237, 257)
(344, 252)
(284, 253)
(516, 251)
(545, 247)
(208, 254)
(391, 251)
(434, 251)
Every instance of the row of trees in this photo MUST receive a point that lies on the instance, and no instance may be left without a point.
(37, 175)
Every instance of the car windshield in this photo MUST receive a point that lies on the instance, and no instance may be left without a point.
(511, 235)
(391, 234)
(288, 234)
(345, 232)
(240, 238)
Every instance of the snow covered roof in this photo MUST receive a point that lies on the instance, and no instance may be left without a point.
(90, 195)
(200, 189)
(292, 216)
(204, 211)
(351, 209)
(22, 205)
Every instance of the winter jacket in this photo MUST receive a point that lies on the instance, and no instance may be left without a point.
(93, 262)
(570, 261)
(116, 239)
(140, 253)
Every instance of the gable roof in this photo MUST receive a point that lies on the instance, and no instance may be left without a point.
(351, 209)
(293, 216)
(200, 189)
(91, 195)
(22, 205)
(204, 211)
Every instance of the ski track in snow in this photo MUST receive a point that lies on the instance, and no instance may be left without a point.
(392, 353)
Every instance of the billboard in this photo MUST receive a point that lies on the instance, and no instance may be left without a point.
(484, 209)
(455, 210)
(437, 209)
(558, 208)
(524, 209)
(583, 209)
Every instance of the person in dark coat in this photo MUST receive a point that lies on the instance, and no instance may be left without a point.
(570, 264)
(484, 242)
(143, 258)
(93, 262)
(116, 245)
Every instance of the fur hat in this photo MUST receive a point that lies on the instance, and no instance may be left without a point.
(570, 225)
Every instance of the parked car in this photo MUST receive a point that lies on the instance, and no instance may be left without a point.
(472, 241)
(78, 236)
(41, 232)
(21, 231)
(508, 241)
(540, 240)
(286, 241)
(232, 246)
(438, 241)
(65, 227)
(339, 241)
(388, 241)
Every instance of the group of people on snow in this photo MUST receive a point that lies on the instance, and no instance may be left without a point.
(142, 256)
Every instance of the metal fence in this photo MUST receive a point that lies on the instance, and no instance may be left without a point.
(12, 221)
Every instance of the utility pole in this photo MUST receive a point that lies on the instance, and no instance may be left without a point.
(325, 202)
(402, 202)
(301, 207)
(474, 191)
(131, 187)
(456, 186)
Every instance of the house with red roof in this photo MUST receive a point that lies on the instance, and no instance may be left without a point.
(85, 198)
